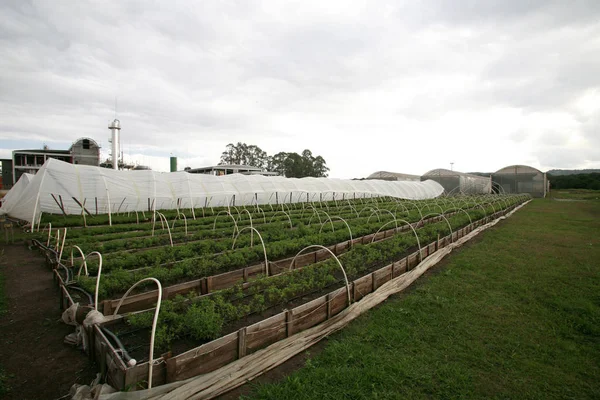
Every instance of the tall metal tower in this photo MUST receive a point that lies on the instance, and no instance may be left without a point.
(115, 128)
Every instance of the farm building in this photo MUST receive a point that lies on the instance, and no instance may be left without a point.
(393, 176)
(83, 151)
(228, 169)
(521, 179)
(455, 182)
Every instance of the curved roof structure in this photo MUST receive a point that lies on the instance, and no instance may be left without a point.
(119, 191)
(521, 179)
(92, 141)
(459, 182)
(517, 169)
(393, 176)
(447, 172)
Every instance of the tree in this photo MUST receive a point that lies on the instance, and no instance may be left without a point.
(242, 154)
(291, 165)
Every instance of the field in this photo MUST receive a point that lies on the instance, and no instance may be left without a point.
(233, 272)
(514, 315)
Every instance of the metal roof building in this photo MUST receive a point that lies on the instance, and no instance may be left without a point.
(521, 179)
(393, 176)
(455, 182)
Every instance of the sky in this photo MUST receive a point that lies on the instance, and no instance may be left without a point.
(379, 85)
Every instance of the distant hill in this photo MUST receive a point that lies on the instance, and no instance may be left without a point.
(561, 172)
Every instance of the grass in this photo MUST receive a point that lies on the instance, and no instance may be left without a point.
(514, 315)
(575, 194)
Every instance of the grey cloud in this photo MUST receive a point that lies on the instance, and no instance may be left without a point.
(229, 71)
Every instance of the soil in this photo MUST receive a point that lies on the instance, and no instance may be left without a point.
(32, 353)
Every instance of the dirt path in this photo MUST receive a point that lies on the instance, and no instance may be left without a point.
(31, 333)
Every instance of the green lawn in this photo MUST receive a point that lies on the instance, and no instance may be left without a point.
(515, 315)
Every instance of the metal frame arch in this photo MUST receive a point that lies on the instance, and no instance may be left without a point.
(376, 212)
(445, 219)
(336, 259)
(162, 217)
(184, 221)
(417, 207)
(253, 229)
(414, 231)
(330, 219)
(251, 226)
(97, 276)
(315, 212)
(260, 210)
(235, 226)
(287, 215)
(154, 322)
(84, 261)
(463, 210)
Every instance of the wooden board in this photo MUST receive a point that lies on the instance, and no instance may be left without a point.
(265, 332)
(207, 357)
(310, 314)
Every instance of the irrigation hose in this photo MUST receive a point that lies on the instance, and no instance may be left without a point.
(89, 296)
(126, 357)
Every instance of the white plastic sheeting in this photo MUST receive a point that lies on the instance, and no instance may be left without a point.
(103, 190)
(13, 197)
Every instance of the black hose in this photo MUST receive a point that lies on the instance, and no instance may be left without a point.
(126, 356)
(89, 296)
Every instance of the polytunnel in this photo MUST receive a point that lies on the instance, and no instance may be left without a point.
(521, 179)
(60, 187)
(455, 182)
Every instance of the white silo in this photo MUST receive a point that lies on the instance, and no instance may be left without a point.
(115, 128)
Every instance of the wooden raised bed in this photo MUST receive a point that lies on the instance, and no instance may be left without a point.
(217, 353)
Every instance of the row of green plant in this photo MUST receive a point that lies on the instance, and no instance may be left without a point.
(222, 230)
(138, 243)
(119, 280)
(146, 224)
(277, 230)
(203, 318)
(131, 222)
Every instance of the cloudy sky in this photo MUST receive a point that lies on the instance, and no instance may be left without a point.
(380, 85)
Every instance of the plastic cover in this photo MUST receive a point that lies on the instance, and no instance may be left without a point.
(58, 184)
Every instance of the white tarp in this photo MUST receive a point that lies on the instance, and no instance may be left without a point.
(104, 190)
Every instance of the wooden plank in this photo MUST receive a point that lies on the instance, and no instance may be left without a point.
(242, 342)
(139, 373)
(227, 279)
(171, 369)
(400, 267)
(338, 301)
(265, 332)
(381, 276)
(310, 314)
(135, 302)
(362, 287)
(322, 255)
(207, 357)
(289, 323)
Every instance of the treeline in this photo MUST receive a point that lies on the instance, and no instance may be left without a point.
(577, 181)
(291, 165)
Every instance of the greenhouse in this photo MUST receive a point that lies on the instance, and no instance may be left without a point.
(455, 182)
(393, 176)
(521, 179)
(61, 187)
